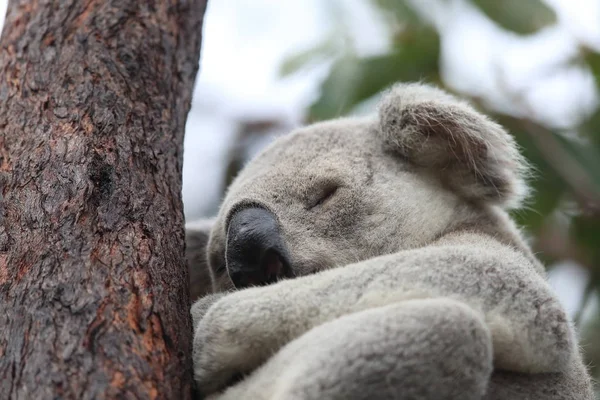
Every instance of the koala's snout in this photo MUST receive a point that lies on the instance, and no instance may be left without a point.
(256, 253)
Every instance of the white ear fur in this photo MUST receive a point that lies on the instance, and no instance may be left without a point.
(475, 156)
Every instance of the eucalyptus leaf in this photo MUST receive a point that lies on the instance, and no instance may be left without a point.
(586, 230)
(303, 59)
(520, 16)
(400, 10)
(591, 127)
(586, 156)
(353, 80)
(547, 187)
(592, 59)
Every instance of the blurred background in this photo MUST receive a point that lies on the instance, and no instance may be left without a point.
(268, 66)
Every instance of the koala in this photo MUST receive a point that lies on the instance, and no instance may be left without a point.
(374, 257)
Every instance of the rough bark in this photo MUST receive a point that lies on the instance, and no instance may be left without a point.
(93, 286)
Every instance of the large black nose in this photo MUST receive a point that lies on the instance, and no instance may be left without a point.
(256, 253)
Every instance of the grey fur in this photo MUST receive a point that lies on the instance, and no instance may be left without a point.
(436, 294)
(196, 239)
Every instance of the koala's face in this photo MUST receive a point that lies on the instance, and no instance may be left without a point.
(339, 192)
(324, 196)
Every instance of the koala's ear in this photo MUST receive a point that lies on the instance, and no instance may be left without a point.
(473, 155)
(196, 240)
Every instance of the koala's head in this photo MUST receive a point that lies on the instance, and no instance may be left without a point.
(342, 191)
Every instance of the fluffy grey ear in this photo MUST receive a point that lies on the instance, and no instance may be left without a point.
(196, 240)
(473, 155)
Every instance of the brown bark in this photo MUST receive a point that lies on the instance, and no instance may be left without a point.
(93, 286)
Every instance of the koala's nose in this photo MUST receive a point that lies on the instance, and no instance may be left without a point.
(256, 253)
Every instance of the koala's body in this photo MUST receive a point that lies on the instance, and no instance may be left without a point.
(377, 260)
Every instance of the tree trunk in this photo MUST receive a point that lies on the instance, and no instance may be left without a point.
(94, 296)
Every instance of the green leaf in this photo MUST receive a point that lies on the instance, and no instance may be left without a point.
(338, 91)
(353, 80)
(399, 10)
(520, 16)
(546, 198)
(318, 53)
(585, 156)
(591, 127)
(592, 59)
(573, 160)
(547, 187)
(586, 230)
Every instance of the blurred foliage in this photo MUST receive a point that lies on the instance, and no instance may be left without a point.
(520, 16)
(563, 216)
(353, 79)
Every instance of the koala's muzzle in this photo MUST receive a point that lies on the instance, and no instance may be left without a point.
(256, 253)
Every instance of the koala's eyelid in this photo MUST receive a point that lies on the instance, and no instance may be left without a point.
(221, 269)
(325, 194)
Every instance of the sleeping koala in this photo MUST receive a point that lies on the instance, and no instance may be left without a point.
(377, 261)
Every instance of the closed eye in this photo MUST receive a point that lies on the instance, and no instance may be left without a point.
(326, 194)
(221, 269)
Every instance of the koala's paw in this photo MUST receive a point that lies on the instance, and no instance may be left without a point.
(201, 307)
(217, 363)
(231, 340)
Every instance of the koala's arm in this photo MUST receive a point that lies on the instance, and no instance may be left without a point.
(530, 331)
(202, 305)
